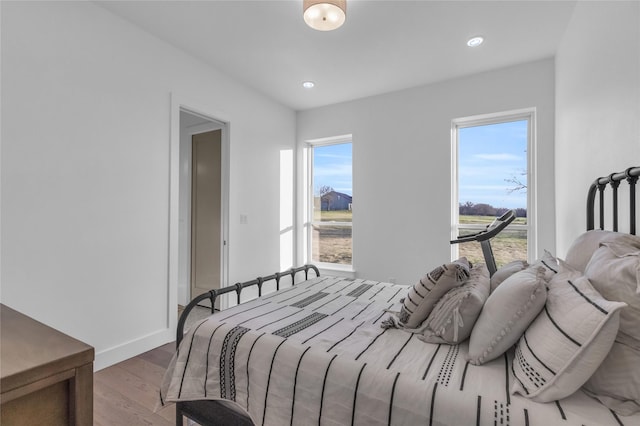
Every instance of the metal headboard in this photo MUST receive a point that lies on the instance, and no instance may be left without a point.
(631, 176)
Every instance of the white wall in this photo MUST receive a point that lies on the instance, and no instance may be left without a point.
(402, 151)
(597, 105)
(86, 113)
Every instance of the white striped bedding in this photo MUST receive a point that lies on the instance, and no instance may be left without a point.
(315, 354)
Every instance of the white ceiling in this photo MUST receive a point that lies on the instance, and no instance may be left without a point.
(382, 47)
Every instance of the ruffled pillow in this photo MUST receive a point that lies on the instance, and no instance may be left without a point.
(549, 263)
(506, 271)
(423, 296)
(507, 313)
(455, 314)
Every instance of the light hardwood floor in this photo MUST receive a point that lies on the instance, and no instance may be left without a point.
(127, 393)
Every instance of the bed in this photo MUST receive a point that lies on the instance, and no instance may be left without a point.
(551, 343)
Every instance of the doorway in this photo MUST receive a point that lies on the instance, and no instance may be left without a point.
(202, 205)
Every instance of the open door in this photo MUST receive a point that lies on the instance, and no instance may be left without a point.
(202, 227)
(206, 218)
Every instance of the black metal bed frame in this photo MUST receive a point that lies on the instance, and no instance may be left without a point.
(631, 176)
(212, 413)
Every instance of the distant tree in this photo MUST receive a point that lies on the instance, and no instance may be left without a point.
(516, 181)
(466, 208)
(482, 209)
(324, 189)
(470, 209)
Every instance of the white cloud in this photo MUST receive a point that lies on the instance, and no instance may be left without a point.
(342, 170)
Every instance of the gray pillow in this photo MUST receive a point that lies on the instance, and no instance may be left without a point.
(567, 342)
(614, 271)
(506, 314)
(455, 314)
(506, 271)
(587, 243)
(549, 263)
(423, 296)
(616, 382)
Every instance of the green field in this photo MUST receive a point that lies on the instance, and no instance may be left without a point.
(509, 245)
(489, 219)
(332, 244)
(333, 216)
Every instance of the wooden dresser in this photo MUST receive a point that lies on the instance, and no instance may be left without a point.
(46, 376)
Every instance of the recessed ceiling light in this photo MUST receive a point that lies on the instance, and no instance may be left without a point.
(475, 41)
(308, 84)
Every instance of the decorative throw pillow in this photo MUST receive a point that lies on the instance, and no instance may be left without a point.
(614, 270)
(616, 382)
(549, 263)
(567, 342)
(453, 317)
(583, 247)
(506, 271)
(425, 293)
(506, 314)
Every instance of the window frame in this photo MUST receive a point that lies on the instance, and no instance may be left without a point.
(308, 221)
(528, 114)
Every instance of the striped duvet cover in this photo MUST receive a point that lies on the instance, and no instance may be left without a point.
(315, 354)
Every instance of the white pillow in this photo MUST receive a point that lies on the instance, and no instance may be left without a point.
(453, 317)
(422, 297)
(614, 270)
(549, 263)
(587, 243)
(616, 382)
(567, 342)
(506, 271)
(506, 314)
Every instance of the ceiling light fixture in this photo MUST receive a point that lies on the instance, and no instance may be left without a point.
(308, 84)
(475, 41)
(324, 15)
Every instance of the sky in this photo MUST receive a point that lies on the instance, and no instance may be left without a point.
(332, 167)
(487, 156)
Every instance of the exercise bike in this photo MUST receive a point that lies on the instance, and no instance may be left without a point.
(484, 238)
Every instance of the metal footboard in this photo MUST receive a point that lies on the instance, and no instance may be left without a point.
(211, 412)
(212, 295)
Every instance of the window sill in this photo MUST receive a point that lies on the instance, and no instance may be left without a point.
(336, 270)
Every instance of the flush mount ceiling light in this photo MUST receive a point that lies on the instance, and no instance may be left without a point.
(475, 41)
(308, 84)
(324, 15)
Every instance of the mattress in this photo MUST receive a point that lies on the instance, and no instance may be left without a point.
(316, 354)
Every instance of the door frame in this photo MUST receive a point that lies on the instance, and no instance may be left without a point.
(206, 111)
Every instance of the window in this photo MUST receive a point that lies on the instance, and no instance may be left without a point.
(493, 171)
(330, 200)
